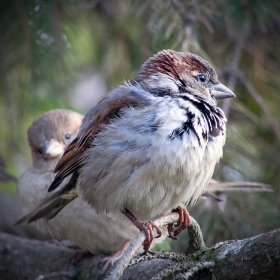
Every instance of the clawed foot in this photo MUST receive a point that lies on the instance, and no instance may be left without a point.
(183, 222)
(110, 260)
(148, 228)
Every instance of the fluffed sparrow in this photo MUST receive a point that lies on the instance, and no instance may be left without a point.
(148, 146)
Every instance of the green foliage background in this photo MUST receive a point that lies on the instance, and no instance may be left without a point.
(47, 46)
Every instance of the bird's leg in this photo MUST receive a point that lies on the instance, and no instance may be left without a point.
(183, 222)
(110, 260)
(146, 226)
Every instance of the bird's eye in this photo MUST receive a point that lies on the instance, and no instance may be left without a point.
(201, 77)
(67, 135)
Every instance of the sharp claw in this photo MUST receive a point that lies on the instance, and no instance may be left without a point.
(159, 232)
(183, 222)
(144, 253)
(147, 227)
(172, 236)
(151, 252)
(148, 251)
(145, 243)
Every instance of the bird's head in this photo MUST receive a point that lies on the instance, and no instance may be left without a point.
(170, 72)
(50, 134)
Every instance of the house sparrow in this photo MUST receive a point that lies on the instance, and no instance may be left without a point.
(148, 146)
(48, 136)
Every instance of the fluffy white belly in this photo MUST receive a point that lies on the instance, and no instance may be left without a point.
(145, 163)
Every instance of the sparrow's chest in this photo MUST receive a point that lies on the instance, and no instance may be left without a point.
(180, 155)
(175, 132)
(170, 134)
(162, 154)
(187, 140)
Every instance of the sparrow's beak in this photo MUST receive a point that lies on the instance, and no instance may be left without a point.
(220, 91)
(52, 148)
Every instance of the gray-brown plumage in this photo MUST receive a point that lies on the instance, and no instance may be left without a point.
(48, 136)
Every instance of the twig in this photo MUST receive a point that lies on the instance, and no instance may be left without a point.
(242, 189)
(195, 237)
(135, 244)
(225, 186)
(195, 242)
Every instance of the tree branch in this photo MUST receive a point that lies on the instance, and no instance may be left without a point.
(195, 242)
(257, 257)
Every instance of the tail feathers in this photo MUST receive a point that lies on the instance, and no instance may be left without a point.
(56, 182)
(50, 207)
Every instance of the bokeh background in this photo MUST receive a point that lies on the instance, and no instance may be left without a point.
(68, 53)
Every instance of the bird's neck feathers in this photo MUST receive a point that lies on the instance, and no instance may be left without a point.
(43, 164)
(214, 115)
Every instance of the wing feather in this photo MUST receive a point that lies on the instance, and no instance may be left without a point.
(104, 112)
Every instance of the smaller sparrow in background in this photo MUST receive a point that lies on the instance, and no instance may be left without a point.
(48, 136)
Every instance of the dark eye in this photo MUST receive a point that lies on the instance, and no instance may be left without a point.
(201, 77)
(67, 135)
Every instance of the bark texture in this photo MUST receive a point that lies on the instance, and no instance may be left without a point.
(257, 257)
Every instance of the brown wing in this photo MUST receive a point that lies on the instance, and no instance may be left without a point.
(74, 158)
